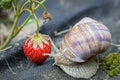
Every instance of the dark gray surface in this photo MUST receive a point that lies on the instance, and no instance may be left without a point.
(104, 11)
(66, 14)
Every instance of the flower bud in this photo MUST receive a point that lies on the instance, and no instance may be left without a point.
(6, 4)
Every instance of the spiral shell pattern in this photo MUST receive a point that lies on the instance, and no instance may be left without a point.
(86, 39)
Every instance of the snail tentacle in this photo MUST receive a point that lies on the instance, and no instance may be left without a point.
(114, 44)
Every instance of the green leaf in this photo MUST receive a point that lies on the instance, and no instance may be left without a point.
(40, 44)
(35, 45)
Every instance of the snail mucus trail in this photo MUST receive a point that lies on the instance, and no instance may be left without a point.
(86, 39)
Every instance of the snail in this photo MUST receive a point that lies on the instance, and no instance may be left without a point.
(83, 41)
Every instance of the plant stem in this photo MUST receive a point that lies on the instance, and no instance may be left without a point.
(18, 14)
(25, 22)
(15, 7)
(23, 6)
(11, 36)
(37, 22)
(11, 33)
(43, 1)
(41, 5)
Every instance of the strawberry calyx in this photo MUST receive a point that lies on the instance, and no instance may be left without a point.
(37, 40)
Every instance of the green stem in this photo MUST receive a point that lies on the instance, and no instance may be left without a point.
(25, 22)
(43, 1)
(33, 9)
(15, 7)
(11, 33)
(23, 6)
(28, 10)
(11, 36)
(31, 4)
(41, 5)
(37, 22)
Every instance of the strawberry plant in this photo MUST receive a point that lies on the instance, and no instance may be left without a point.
(37, 45)
(30, 6)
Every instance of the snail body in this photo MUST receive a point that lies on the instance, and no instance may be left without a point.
(85, 40)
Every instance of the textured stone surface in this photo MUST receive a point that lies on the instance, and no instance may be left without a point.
(64, 15)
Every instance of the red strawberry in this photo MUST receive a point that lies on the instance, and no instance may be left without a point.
(35, 47)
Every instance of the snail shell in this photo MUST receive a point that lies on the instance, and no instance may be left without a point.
(86, 39)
